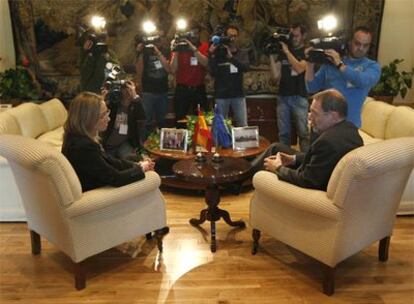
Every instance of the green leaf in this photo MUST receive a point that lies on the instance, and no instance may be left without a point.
(17, 83)
(407, 78)
(392, 82)
(403, 92)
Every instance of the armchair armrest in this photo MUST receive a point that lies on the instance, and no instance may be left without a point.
(3, 162)
(309, 200)
(100, 198)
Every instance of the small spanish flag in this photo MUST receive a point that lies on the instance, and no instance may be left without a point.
(202, 135)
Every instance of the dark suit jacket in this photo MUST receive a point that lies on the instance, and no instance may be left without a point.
(227, 84)
(317, 164)
(94, 167)
(135, 113)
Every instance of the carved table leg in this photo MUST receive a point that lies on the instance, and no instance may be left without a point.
(203, 217)
(212, 197)
(213, 214)
(213, 246)
(226, 217)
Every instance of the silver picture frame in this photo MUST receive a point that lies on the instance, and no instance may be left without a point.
(245, 137)
(172, 139)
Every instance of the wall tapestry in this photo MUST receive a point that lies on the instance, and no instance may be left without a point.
(45, 30)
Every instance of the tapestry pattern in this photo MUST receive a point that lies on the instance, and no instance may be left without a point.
(45, 30)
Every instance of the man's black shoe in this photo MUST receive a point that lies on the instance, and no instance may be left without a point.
(164, 230)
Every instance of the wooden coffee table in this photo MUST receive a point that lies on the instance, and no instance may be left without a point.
(211, 175)
(168, 158)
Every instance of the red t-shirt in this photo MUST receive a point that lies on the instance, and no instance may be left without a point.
(191, 75)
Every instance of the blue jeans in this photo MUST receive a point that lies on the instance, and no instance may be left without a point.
(295, 107)
(238, 106)
(155, 106)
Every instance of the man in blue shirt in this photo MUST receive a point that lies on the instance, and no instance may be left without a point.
(353, 75)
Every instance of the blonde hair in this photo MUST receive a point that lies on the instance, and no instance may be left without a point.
(83, 115)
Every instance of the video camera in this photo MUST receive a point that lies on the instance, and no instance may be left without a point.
(96, 33)
(114, 82)
(98, 39)
(217, 40)
(317, 55)
(180, 45)
(219, 36)
(220, 39)
(148, 35)
(147, 40)
(272, 43)
(182, 34)
(221, 51)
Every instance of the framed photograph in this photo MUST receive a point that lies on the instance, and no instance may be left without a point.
(174, 139)
(245, 137)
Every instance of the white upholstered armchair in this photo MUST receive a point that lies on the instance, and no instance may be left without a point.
(358, 208)
(79, 224)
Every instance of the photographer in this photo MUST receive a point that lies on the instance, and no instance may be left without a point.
(227, 64)
(121, 139)
(288, 68)
(190, 68)
(353, 75)
(152, 68)
(93, 59)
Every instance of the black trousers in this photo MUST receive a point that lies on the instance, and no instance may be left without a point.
(186, 99)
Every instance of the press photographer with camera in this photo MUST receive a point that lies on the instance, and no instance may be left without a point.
(121, 139)
(227, 64)
(353, 74)
(152, 68)
(189, 56)
(287, 67)
(94, 55)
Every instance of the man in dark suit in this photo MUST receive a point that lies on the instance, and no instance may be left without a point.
(335, 138)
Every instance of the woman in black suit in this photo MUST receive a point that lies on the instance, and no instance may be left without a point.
(87, 117)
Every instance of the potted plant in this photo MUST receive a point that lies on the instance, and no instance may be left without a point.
(17, 84)
(392, 82)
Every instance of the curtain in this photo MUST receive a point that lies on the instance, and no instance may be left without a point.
(21, 12)
(7, 55)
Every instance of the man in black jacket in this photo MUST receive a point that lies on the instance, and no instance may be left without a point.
(288, 68)
(227, 64)
(92, 63)
(152, 68)
(335, 138)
